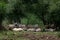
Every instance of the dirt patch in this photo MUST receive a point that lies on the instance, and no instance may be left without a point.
(41, 37)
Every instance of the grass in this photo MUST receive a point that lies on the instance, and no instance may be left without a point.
(11, 35)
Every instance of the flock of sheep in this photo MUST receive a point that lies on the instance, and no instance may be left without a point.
(22, 27)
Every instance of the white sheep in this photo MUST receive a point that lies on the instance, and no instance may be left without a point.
(51, 30)
(17, 29)
(38, 30)
(31, 29)
(11, 26)
(22, 26)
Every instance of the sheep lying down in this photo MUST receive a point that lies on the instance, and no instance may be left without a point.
(34, 30)
(17, 29)
(51, 30)
(38, 30)
(31, 29)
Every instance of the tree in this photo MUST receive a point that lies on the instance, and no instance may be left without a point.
(15, 8)
(42, 11)
(2, 15)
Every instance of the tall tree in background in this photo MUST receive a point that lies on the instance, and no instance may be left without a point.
(42, 11)
(45, 10)
(15, 8)
(2, 14)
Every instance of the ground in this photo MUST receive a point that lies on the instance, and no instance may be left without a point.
(11, 35)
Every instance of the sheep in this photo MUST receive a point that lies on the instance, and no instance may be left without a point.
(38, 30)
(21, 26)
(11, 26)
(30, 26)
(17, 29)
(51, 30)
(36, 25)
(31, 29)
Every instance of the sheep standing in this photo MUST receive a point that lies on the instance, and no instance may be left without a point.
(11, 26)
(20, 25)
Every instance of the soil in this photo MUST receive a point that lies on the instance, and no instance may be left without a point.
(41, 37)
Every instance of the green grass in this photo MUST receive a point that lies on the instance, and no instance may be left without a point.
(10, 35)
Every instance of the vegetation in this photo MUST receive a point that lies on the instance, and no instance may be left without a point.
(9, 35)
(42, 12)
(45, 13)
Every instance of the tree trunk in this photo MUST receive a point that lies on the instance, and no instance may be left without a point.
(44, 21)
(1, 26)
(1, 19)
(17, 20)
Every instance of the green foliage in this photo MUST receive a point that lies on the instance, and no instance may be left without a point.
(2, 12)
(24, 21)
(42, 12)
